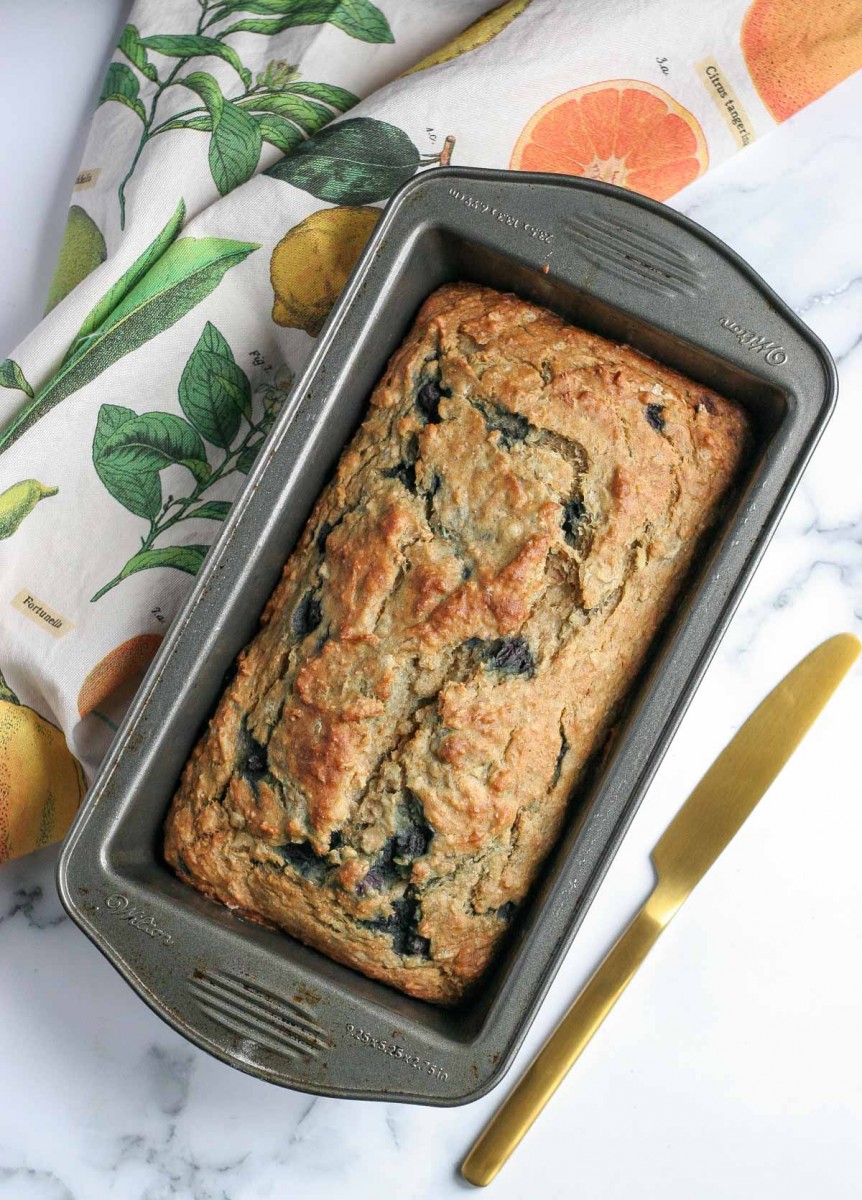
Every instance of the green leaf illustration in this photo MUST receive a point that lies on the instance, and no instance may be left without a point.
(235, 143)
(129, 451)
(182, 45)
(253, 25)
(307, 114)
(214, 392)
(203, 123)
(130, 45)
(133, 275)
(121, 84)
(358, 18)
(6, 693)
(153, 441)
(135, 105)
(182, 558)
(185, 274)
(205, 86)
(236, 140)
(120, 80)
(234, 148)
(336, 97)
(361, 19)
(226, 8)
(11, 376)
(213, 510)
(282, 134)
(138, 491)
(356, 161)
(82, 251)
(109, 420)
(296, 9)
(245, 462)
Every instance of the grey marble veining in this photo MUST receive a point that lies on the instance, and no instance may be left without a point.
(731, 1067)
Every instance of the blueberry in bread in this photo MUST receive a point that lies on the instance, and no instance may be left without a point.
(450, 641)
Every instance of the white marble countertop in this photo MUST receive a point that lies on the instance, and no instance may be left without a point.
(732, 1066)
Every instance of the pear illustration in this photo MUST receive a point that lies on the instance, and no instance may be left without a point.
(82, 251)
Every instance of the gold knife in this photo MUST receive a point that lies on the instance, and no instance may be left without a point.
(689, 846)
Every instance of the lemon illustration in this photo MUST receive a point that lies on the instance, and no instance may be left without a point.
(82, 251)
(474, 35)
(18, 501)
(41, 782)
(311, 263)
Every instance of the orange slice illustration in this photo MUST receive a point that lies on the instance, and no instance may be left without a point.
(621, 131)
(126, 662)
(795, 50)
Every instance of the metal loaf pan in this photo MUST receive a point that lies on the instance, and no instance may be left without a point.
(607, 260)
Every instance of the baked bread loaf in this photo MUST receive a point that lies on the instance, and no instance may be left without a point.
(469, 604)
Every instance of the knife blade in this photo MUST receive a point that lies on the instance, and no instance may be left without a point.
(709, 818)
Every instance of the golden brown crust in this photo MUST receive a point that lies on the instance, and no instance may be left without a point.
(469, 603)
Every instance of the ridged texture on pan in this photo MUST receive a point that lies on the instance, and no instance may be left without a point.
(450, 642)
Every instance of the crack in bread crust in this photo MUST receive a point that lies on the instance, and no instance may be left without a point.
(465, 612)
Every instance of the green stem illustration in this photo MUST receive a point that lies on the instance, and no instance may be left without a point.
(199, 110)
(145, 137)
(157, 528)
(130, 451)
(165, 126)
(276, 107)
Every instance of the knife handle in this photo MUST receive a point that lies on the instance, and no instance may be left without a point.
(504, 1131)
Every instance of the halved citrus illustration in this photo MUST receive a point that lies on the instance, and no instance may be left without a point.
(311, 264)
(475, 35)
(620, 131)
(125, 662)
(41, 782)
(796, 51)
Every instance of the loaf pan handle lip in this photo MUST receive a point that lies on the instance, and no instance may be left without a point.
(524, 181)
(191, 1031)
